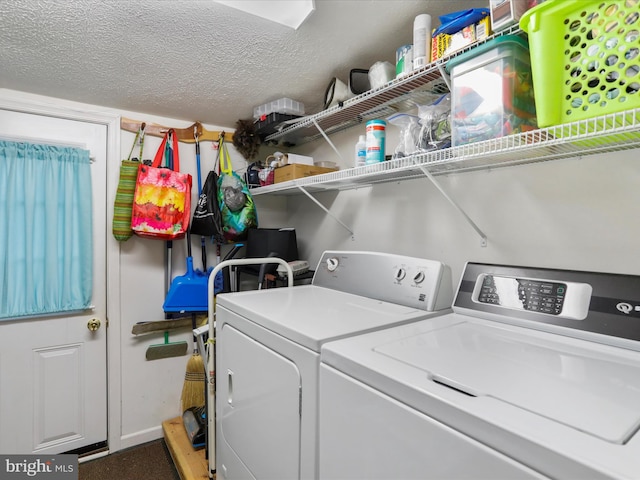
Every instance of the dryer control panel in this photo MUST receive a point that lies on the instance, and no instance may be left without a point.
(414, 282)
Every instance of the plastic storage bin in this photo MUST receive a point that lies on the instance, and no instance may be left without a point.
(584, 58)
(282, 105)
(491, 91)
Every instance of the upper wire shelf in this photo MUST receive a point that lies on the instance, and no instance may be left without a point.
(604, 134)
(419, 87)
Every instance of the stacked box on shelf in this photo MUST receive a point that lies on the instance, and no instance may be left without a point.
(505, 13)
(439, 44)
(268, 124)
(491, 91)
(269, 116)
(282, 105)
(297, 170)
(445, 44)
(468, 36)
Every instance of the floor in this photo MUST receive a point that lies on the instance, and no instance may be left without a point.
(150, 461)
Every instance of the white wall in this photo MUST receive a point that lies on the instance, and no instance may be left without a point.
(151, 389)
(579, 213)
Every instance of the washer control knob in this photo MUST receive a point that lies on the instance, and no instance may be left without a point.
(400, 273)
(332, 264)
(419, 278)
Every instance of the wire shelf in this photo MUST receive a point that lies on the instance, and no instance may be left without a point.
(419, 87)
(604, 134)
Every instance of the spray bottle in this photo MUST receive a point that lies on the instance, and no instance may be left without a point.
(421, 40)
(361, 152)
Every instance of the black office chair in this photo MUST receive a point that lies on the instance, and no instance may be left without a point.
(267, 242)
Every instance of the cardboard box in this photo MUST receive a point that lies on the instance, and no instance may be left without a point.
(301, 159)
(439, 44)
(460, 39)
(483, 29)
(468, 36)
(443, 45)
(291, 172)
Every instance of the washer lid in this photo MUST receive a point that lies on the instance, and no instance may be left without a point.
(310, 315)
(592, 390)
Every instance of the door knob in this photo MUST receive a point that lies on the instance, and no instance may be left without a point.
(93, 324)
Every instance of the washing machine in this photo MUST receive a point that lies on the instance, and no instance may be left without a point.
(535, 374)
(268, 353)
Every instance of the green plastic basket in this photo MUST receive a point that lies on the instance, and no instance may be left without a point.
(584, 58)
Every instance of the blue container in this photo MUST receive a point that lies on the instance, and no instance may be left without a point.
(375, 139)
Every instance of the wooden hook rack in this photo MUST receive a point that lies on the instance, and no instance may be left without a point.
(184, 134)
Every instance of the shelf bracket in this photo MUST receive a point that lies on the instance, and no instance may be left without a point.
(327, 139)
(483, 237)
(326, 210)
(445, 76)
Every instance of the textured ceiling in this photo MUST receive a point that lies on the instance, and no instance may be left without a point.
(196, 59)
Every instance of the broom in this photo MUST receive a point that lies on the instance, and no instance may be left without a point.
(193, 389)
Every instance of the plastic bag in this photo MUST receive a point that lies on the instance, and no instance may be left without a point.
(381, 73)
(435, 121)
(455, 21)
(409, 134)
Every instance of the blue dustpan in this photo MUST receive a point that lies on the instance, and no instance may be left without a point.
(188, 292)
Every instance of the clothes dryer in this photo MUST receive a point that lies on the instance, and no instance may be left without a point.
(535, 374)
(268, 353)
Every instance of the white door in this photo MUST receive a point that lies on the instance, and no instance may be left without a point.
(53, 370)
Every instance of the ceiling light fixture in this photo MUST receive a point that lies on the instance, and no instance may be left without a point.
(290, 13)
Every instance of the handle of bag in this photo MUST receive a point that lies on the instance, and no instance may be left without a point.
(139, 135)
(142, 127)
(160, 153)
(168, 155)
(225, 159)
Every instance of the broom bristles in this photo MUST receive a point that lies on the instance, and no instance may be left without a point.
(193, 389)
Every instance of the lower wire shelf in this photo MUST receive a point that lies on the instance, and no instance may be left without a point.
(604, 134)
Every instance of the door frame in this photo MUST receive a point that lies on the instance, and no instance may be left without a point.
(26, 103)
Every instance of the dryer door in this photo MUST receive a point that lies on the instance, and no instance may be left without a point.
(257, 409)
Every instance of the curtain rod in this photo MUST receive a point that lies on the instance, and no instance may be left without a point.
(44, 141)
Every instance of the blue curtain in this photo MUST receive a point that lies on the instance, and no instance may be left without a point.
(46, 253)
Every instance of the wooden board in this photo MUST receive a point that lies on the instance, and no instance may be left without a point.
(190, 463)
(184, 134)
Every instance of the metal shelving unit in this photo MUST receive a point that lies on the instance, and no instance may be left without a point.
(608, 133)
(418, 87)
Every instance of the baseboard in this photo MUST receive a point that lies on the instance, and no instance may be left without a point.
(138, 438)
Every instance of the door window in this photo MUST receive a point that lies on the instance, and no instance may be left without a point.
(46, 243)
